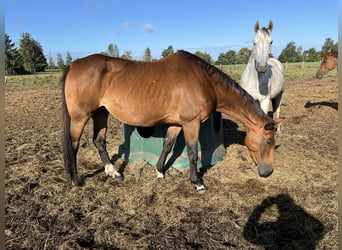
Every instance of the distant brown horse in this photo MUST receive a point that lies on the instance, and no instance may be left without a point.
(180, 90)
(328, 63)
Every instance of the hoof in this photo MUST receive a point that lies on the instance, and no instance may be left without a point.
(160, 175)
(110, 170)
(201, 189)
(118, 178)
(76, 182)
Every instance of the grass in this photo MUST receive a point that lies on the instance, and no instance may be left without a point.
(43, 78)
(292, 71)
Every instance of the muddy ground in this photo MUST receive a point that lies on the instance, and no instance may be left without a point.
(295, 208)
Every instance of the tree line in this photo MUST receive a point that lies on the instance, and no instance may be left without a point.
(29, 56)
(291, 53)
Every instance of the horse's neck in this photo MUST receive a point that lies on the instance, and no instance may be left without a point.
(251, 60)
(233, 101)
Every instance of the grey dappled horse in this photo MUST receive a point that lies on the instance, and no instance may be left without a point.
(263, 77)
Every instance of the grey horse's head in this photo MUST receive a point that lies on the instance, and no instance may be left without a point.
(262, 46)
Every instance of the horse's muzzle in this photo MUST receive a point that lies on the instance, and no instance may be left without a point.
(319, 75)
(264, 170)
(261, 67)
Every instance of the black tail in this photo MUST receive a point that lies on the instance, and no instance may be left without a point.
(69, 150)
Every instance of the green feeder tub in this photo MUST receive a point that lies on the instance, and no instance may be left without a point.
(147, 144)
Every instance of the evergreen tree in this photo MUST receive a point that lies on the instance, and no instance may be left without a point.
(51, 64)
(127, 55)
(32, 54)
(168, 51)
(26, 51)
(147, 55)
(60, 62)
(112, 50)
(13, 60)
(68, 59)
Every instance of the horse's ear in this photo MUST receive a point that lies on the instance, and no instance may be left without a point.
(270, 25)
(270, 126)
(256, 26)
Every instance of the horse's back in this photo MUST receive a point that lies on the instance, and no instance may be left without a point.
(172, 89)
(96, 65)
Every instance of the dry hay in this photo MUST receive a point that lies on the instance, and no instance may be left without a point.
(295, 208)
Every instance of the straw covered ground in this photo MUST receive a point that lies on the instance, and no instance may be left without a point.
(295, 208)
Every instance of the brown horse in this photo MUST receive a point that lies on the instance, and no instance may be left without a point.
(180, 90)
(328, 63)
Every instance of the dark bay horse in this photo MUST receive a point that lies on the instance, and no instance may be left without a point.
(328, 63)
(180, 90)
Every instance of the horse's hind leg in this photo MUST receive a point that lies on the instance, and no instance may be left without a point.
(171, 136)
(71, 147)
(100, 118)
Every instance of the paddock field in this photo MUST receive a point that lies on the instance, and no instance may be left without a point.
(295, 208)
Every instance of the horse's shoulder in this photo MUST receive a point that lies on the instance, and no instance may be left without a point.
(276, 63)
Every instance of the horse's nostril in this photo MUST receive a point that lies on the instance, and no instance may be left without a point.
(264, 171)
(269, 172)
(261, 67)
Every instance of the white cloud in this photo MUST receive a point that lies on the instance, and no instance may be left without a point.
(148, 27)
(127, 24)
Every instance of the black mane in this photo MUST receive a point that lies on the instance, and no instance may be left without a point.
(210, 69)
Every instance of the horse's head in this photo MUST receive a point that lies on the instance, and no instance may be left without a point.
(260, 142)
(262, 46)
(328, 63)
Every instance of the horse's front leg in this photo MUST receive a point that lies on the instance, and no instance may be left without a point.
(265, 104)
(191, 134)
(276, 103)
(171, 136)
(194, 175)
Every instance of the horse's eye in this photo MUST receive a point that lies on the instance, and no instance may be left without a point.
(268, 142)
